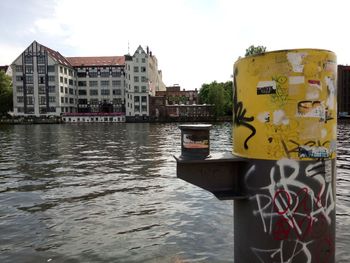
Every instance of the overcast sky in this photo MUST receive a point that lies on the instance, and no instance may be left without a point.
(195, 41)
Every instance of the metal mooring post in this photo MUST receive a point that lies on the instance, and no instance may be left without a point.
(282, 171)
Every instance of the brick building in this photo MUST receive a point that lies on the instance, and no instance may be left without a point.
(343, 90)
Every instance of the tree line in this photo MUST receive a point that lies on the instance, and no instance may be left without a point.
(219, 94)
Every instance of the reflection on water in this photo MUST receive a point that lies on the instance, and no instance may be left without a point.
(109, 193)
(106, 193)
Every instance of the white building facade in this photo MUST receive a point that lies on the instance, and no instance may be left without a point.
(142, 80)
(100, 83)
(45, 83)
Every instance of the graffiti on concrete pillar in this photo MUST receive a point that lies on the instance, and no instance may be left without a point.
(295, 205)
(301, 251)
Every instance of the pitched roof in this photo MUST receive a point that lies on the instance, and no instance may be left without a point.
(57, 56)
(96, 61)
(139, 50)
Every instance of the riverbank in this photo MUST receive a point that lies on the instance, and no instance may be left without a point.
(31, 120)
(58, 120)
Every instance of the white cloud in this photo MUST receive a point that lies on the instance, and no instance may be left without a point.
(50, 27)
(8, 53)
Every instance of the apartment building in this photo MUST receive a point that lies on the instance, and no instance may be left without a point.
(44, 83)
(142, 79)
(100, 83)
(47, 83)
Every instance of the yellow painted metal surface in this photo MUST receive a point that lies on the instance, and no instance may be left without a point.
(285, 105)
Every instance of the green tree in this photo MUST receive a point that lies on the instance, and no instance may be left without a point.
(203, 94)
(6, 101)
(229, 97)
(218, 94)
(254, 50)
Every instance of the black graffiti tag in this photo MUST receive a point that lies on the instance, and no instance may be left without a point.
(239, 114)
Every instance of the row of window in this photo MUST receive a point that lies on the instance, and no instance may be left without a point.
(30, 89)
(64, 70)
(93, 92)
(65, 80)
(137, 89)
(30, 110)
(71, 100)
(137, 79)
(139, 69)
(104, 92)
(65, 90)
(137, 99)
(30, 99)
(92, 83)
(29, 69)
(95, 119)
(102, 74)
(92, 102)
(29, 79)
(68, 109)
(137, 108)
(143, 60)
(41, 59)
(103, 83)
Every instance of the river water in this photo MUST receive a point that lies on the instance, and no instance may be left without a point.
(109, 193)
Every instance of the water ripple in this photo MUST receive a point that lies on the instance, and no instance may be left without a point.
(109, 193)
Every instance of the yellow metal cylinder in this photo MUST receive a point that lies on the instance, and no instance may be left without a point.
(285, 105)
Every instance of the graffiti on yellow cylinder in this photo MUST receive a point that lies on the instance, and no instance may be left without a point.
(310, 108)
(283, 100)
(240, 119)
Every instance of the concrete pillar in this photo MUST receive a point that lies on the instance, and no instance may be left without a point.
(285, 122)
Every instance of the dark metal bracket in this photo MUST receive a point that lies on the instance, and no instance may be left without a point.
(220, 174)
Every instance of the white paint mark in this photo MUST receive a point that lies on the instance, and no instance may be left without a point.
(312, 94)
(279, 118)
(331, 93)
(264, 117)
(328, 171)
(295, 80)
(296, 60)
(313, 90)
(277, 255)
